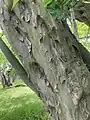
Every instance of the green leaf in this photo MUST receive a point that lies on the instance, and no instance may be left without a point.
(14, 3)
(47, 2)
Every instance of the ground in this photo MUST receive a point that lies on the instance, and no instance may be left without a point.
(20, 103)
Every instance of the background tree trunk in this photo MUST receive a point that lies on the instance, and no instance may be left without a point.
(4, 81)
(51, 56)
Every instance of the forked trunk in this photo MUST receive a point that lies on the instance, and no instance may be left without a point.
(51, 57)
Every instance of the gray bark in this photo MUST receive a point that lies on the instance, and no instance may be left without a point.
(74, 24)
(3, 80)
(51, 56)
(82, 12)
(16, 65)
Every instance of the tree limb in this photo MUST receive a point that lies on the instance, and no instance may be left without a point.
(15, 63)
(82, 12)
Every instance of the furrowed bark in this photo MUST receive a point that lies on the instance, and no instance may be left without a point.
(82, 12)
(51, 56)
(84, 53)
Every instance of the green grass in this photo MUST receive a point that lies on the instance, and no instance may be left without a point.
(20, 103)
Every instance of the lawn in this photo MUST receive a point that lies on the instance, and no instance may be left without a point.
(20, 103)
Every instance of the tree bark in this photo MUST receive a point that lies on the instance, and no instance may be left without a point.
(82, 12)
(16, 65)
(74, 24)
(51, 56)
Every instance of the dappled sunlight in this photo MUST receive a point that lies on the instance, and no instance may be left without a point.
(15, 97)
(19, 103)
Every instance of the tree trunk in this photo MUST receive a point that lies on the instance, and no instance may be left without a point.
(4, 80)
(51, 56)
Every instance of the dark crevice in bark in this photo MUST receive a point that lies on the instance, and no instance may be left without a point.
(84, 53)
(81, 50)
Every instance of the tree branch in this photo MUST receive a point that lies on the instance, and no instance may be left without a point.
(82, 12)
(15, 63)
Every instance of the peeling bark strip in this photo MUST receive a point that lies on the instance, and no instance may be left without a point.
(51, 56)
